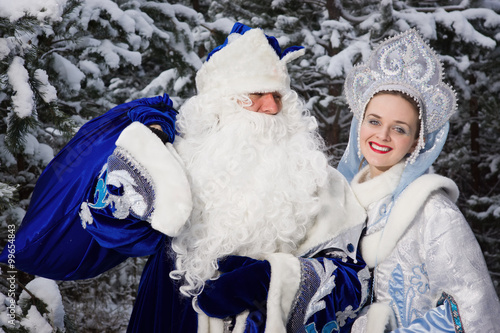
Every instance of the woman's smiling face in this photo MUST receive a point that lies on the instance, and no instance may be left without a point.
(388, 132)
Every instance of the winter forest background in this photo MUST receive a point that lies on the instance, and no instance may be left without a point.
(63, 62)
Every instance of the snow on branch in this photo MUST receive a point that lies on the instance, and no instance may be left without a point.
(23, 97)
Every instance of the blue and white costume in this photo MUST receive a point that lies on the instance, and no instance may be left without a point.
(429, 274)
(133, 197)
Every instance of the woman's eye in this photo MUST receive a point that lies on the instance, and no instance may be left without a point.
(400, 130)
(373, 122)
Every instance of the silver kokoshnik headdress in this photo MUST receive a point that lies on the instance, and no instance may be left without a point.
(407, 64)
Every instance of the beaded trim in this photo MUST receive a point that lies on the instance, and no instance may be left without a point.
(457, 322)
(310, 283)
(143, 209)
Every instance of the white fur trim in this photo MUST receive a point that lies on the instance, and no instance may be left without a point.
(208, 324)
(293, 55)
(173, 202)
(203, 326)
(285, 282)
(284, 285)
(340, 212)
(246, 64)
(377, 246)
(241, 321)
(380, 316)
(368, 191)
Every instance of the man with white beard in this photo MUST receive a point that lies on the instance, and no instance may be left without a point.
(244, 221)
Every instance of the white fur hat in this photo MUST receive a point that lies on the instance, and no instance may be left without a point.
(248, 62)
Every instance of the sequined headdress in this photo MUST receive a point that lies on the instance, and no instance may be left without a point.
(404, 63)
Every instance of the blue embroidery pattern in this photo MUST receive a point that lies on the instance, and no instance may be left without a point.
(422, 285)
(100, 197)
(382, 214)
(397, 291)
(383, 211)
(403, 297)
(328, 328)
(101, 192)
(326, 273)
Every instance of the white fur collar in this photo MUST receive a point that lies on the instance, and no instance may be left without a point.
(377, 246)
(340, 220)
(371, 190)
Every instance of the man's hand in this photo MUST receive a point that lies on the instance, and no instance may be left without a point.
(243, 285)
(156, 129)
(156, 126)
(157, 113)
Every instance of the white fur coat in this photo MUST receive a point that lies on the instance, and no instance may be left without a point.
(422, 246)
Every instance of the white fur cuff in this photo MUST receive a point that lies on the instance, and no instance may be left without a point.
(285, 282)
(173, 202)
(380, 318)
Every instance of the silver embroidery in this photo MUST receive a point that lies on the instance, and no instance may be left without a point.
(137, 197)
(134, 193)
(349, 312)
(85, 215)
(327, 283)
(131, 200)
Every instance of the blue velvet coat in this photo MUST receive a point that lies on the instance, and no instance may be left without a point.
(54, 243)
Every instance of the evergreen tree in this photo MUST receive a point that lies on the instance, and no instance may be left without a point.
(57, 72)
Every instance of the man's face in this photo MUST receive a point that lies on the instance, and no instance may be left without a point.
(254, 174)
(269, 103)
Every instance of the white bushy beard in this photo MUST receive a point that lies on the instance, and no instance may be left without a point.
(254, 179)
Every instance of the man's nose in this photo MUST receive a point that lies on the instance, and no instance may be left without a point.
(269, 104)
